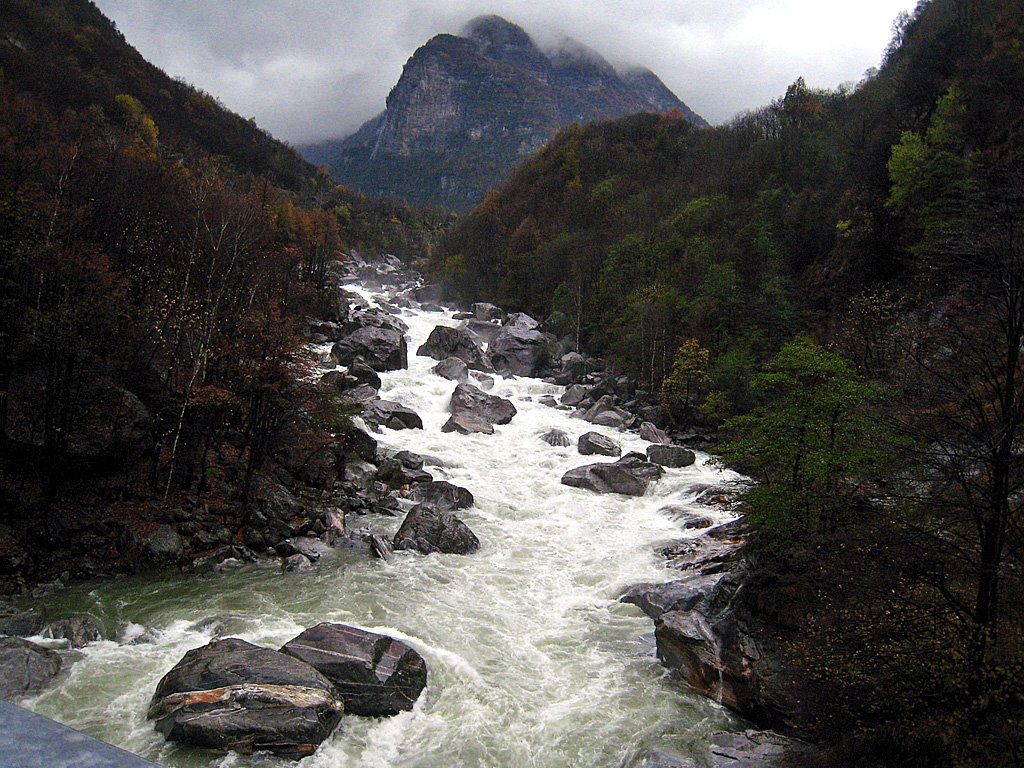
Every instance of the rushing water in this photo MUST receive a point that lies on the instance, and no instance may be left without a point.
(532, 660)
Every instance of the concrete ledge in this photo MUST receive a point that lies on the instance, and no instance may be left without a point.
(28, 740)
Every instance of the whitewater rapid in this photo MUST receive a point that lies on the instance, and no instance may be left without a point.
(533, 661)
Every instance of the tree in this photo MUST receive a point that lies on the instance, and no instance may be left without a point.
(679, 390)
(809, 446)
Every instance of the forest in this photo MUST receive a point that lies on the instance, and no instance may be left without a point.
(834, 283)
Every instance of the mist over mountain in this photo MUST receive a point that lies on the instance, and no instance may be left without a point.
(469, 108)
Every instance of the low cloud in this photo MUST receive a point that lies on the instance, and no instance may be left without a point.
(309, 71)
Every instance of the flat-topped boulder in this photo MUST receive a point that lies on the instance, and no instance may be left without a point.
(468, 425)
(374, 675)
(427, 529)
(672, 456)
(25, 668)
(594, 443)
(233, 695)
(468, 400)
(442, 495)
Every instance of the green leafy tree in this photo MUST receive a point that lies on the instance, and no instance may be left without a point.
(680, 389)
(809, 446)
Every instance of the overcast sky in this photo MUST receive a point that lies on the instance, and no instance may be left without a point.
(308, 70)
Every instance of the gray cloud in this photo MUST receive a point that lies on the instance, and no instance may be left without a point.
(308, 71)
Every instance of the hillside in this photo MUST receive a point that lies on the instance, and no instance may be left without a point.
(69, 55)
(467, 109)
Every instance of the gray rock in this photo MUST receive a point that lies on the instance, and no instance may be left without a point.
(574, 367)
(605, 478)
(426, 529)
(79, 630)
(556, 437)
(164, 546)
(485, 331)
(445, 342)
(615, 418)
(679, 595)
(232, 695)
(604, 403)
(574, 395)
(442, 495)
(521, 320)
(374, 674)
(21, 623)
(660, 758)
(394, 474)
(753, 749)
(548, 401)
(652, 434)
(383, 349)
(487, 312)
(468, 425)
(483, 381)
(390, 414)
(674, 456)
(519, 351)
(594, 443)
(452, 368)
(468, 400)
(25, 668)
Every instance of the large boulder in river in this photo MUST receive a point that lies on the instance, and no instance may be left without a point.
(374, 674)
(446, 342)
(233, 695)
(519, 350)
(468, 400)
(427, 529)
(383, 349)
(556, 438)
(468, 425)
(442, 495)
(452, 368)
(673, 456)
(629, 476)
(594, 443)
(25, 668)
(392, 415)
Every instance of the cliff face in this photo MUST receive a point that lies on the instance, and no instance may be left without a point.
(467, 109)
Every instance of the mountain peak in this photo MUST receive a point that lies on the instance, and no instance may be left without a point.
(469, 108)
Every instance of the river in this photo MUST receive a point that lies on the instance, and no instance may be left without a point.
(532, 660)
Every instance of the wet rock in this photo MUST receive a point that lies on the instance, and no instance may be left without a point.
(630, 476)
(232, 695)
(452, 368)
(375, 675)
(25, 668)
(442, 495)
(483, 381)
(594, 443)
(426, 529)
(216, 626)
(381, 546)
(485, 331)
(754, 749)
(663, 759)
(603, 403)
(392, 415)
(519, 351)
(395, 474)
(295, 563)
(487, 312)
(605, 478)
(548, 401)
(652, 434)
(673, 456)
(307, 546)
(21, 623)
(556, 437)
(468, 400)
(616, 418)
(574, 395)
(468, 425)
(383, 349)
(163, 546)
(354, 441)
(445, 342)
(680, 595)
(79, 631)
(573, 367)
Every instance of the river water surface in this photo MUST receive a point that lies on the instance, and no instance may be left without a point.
(532, 660)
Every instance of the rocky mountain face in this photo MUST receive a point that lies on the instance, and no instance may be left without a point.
(467, 109)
